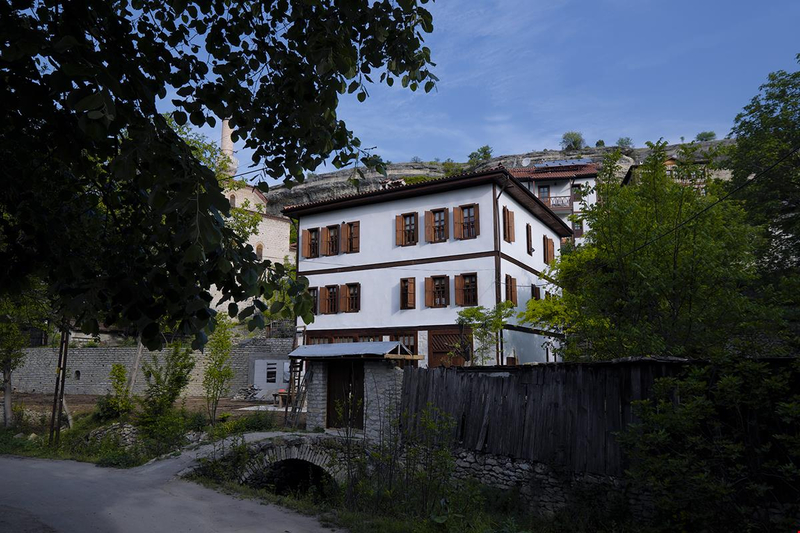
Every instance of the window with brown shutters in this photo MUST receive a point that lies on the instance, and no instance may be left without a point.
(314, 293)
(466, 286)
(466, 221)
(549, 248)
(408, 293)
(330, 300)
(350, 298)
(351, 237)
(436, 225)
(511, 289)
(406, 229)
(536, 292)
(577, 228)
(508, 224)
(529, 238)
(437, 291)
(310, 244)
(330, 237)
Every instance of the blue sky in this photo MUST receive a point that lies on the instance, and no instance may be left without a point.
(517, 74)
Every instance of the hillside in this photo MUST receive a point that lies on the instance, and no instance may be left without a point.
(322, 186)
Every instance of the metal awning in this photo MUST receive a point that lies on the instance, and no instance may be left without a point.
(385, 349)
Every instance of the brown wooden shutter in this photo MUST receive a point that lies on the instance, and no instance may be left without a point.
(428, 292)
(358, 300)
(529, 238)
(305, 237)
(536, 292)
(514, 290)
(416, 227)
(345, 233)
(323, 241)
(446, 290)
(508, 287)
(411, 297)
(544, 247)
(477, 220)
(505, 223)
(344, 299)
(511, 234)
(459, 286)
(398, 227)
(551, 250)
(322, 297)
(355, 234)
(458, 223)
(428, 226)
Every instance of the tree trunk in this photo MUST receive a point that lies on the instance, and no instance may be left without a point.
(8, 414)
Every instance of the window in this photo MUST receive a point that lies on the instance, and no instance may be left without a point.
(318, 340)
(351, 237)
(260, 252)
(408, 293)
(330, 240)
(314, 293)
(467, 290)
(466, 223)
(272, 372)
(436, 225)
(511, 289)
(544, 193)
(577, 228)
(232, 200)
(407, 339)
(329, 302)
(437, 291)
(406, 228)
(577, 193)
(508, 224)
(344, 339)
(529, 238)
(77, 375)
(352, 298)
(536, 292)
(310, 238)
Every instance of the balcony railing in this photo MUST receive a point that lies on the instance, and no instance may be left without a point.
(558, 202)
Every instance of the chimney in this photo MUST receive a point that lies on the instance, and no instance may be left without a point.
(226, 145)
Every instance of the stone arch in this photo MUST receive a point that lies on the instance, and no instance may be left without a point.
(260, 251)
(314, 451)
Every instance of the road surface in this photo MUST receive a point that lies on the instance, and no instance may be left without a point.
(45, 496)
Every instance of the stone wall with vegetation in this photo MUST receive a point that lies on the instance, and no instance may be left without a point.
(88, 369)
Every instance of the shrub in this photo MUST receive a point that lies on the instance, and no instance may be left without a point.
(117, 402)
(625, 143)
(166, 382)
(572, 140)
(218, 372)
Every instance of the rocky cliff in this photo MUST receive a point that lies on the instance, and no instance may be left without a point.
(341, 183)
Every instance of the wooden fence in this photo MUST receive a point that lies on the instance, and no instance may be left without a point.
(565, 415)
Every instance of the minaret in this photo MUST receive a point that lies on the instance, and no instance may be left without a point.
(226, 145)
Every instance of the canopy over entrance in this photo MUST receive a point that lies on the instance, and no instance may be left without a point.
(339, 350)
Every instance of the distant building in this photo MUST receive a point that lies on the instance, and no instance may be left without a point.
(397, 264)
(559, 185)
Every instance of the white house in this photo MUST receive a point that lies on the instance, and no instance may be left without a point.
(559, 184)
(398, 264)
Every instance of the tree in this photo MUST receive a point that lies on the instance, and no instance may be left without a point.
(600, 143)
(627, 292)
(704, 136)
(482, 154)
(485, 325)
(18, 313)
(572, 140)
(218, 372)
(416, 159)
(451, 168)
(140, 221)
(625, 143)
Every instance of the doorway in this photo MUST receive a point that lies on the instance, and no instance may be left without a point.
(346, 394)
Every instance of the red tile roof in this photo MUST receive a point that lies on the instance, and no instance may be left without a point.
(548, 173)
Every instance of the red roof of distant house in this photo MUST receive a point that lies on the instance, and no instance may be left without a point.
(559, 172)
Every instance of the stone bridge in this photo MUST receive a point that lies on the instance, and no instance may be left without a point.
(328, 452)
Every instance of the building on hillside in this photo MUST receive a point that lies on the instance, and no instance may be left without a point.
(398, 264)
(560, 185)
(703, 172)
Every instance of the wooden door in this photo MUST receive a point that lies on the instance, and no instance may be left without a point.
(440, 346)
(346, 394)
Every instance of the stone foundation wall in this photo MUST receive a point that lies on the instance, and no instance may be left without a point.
(545, 489)
(317, 396)
(383, 384)
(88, 369)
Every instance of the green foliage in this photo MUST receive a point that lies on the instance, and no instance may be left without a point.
(416, 159)
(600, 143)
(627, 294)
(218, 371)
(485, 324)
(116, 403)
(481, 155)
(704, 136)
(165, 383)
(143, 236)
(625, 143)
(719, 446)
(451, 168)
(572, 140)
(418, 179)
